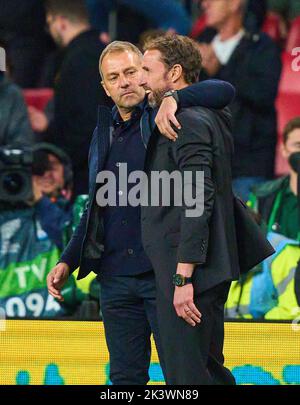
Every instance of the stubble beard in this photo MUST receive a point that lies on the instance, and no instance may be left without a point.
(157, 97)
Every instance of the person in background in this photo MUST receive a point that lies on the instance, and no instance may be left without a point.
(166, 15)
(233, 54)
(255, 15)
(22, 27)
(76, 94)
(52, 190)
(263, 197)
(271, 291)
(32, 236)
(14, 121)
(148, 35)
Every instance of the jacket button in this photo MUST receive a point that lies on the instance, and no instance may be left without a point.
(130, 251)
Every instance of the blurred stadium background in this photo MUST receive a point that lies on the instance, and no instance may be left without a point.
(42, 340)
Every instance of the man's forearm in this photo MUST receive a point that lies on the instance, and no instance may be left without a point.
(209, 93)
(71, 254)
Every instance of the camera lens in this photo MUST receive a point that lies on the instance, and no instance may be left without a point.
(13, 183)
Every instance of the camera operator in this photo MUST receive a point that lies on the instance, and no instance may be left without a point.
(52, 190)
(35, 191)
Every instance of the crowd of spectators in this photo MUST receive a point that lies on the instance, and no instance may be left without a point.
(243, 58)
(272, 289)
(56, 44)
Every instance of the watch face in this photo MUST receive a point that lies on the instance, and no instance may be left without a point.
(178, 280)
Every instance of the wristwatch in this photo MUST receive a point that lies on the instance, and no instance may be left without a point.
(172, 93)
(179, 280)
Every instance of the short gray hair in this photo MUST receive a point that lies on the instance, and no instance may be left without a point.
(118, 47)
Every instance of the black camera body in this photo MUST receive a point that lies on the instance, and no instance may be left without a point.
(15, 174)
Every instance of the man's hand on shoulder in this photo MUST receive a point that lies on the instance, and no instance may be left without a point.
(165, 118)
(56, 279)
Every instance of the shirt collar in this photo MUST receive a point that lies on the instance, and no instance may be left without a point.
(224, 49)
(234, 39)
(136, 114)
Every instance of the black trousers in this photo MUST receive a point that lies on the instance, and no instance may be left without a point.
(194, 355)
(128, 306)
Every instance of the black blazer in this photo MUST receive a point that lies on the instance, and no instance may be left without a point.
(205, 143)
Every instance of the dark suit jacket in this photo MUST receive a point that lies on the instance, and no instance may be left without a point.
(205, 143)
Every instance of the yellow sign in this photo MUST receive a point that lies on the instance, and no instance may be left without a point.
(69, 352)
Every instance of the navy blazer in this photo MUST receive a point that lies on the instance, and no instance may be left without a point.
(86, 245)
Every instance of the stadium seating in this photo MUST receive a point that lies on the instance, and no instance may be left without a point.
(38, 98)
(288, 101)
(290, 76)
(288, 107)
(272, 27)
(198, 27)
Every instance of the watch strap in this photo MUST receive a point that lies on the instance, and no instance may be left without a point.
(172, 93)
(179, 280)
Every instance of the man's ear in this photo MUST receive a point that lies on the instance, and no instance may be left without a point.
(236, 6)
(176, 73)
(105, 89)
